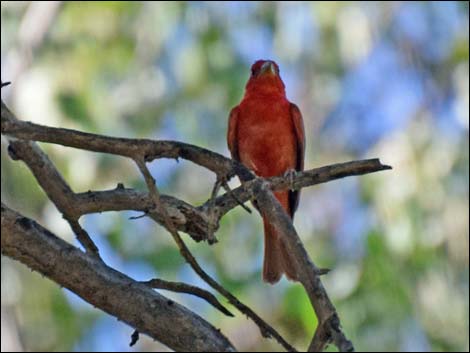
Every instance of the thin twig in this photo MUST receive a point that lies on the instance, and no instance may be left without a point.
(176, 215)
(127, 147)
(266, 329)
(193, 220)
(134, 338)
(330, 331)
(228, 190)
(138, 217)
(308, 272)
(189, 289)
(56, 188)
(84, 238)
(130, 301)
(184, 216)
(300, 180)
(212, 213)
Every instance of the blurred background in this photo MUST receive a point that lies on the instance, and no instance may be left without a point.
(373, 79)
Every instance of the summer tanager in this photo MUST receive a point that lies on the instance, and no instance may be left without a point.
(266, 134)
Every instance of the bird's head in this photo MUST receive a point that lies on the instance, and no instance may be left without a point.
(265, 78)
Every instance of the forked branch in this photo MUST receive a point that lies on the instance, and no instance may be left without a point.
(200, 222)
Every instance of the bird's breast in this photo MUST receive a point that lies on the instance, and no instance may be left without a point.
(266, 139)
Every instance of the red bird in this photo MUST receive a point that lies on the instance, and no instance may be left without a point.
(266, 134)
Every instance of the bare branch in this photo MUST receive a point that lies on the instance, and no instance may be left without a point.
(132, 148)
(111, 291)
(155, 195)
(186, 218)
(309, 274)
(84, 238)
(212, 213)
(266, 329)
(54, 185)
(176, 215)
(48, 177)
(134, 338)
(195, 220)
(186, 288)
(300, 180)
(232, 195)
(330, 331)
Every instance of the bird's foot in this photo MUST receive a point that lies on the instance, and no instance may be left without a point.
(291, 174)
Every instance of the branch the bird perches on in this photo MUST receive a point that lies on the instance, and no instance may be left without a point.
(44, 252)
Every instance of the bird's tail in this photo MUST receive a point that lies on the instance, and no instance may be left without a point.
(277, 259)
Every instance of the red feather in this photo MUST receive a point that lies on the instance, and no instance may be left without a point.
(266, 134)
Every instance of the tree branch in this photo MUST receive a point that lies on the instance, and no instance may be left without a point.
(177, 215)
(111, 291)
(186, 288)
(64, 198)
(186, 218)
(55, 187)
(310, 177)
(133, 148)
(309, 274)
(265, 328)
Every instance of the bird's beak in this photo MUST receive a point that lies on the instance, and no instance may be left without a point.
(268, 68)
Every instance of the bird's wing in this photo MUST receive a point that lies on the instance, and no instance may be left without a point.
(299, 131)
(232, 138)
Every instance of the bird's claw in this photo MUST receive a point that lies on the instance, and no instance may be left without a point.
(291, 174)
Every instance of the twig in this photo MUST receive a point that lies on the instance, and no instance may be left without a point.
(184, 216)
(113, 292)
(138, 217)
(84, 238)
(153, 190)
(194, 220)
(134, 338)
(330, 331)
(229, 192)
(191, 220)
(322, 271)
(176, 215)
(300, 180)
(56, 188)
(212, 213)
(132, 148)
(308, 272)
(266, 330)
(186, 288)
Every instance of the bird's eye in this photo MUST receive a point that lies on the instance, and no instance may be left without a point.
(252, 72)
